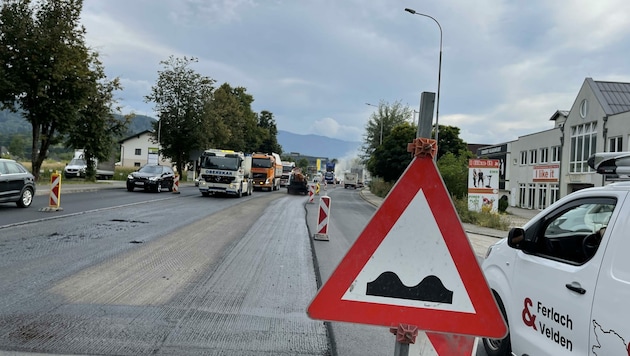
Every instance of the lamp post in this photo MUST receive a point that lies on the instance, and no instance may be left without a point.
(437, 109)
(376, 106)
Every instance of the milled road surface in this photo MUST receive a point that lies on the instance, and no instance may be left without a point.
(236, 282)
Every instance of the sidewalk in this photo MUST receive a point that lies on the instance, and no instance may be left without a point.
(517, 217)
(79, 186)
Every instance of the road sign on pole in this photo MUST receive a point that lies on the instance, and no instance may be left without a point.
(412, 265)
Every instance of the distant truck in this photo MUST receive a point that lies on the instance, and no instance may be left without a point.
(287, 167)
(329, 175)
(298, 183)
(78, 166)
(267, 170)
(350, 180)
(226, 172)
(360, 178)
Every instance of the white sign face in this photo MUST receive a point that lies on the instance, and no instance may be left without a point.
(413, 250)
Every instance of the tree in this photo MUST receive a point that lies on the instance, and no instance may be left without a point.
(181, 98)
(454, 171)
(17, 146)
(449, 141)
(390, 159)
(97, 128)
(44, 68)
(380, 125)
(303, 165)
(269, 133)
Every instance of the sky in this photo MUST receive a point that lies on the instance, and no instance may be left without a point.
(507, 66)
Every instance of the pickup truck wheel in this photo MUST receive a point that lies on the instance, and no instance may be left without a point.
(499, 347)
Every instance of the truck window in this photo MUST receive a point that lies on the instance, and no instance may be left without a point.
(574, 235)
(261, 163)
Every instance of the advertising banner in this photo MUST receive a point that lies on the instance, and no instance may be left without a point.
(483, 184)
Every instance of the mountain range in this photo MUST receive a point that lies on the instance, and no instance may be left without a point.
(305, 145)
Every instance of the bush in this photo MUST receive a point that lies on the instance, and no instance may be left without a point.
(483, 218)
(379, 187)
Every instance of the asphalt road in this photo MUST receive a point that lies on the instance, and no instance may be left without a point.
(119, 273)
(159, 274)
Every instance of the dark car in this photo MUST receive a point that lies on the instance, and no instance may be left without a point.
(152, 177)
(17, 184)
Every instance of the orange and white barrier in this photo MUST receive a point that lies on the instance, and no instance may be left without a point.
(54, 199)
(176, 184)
(323, 218)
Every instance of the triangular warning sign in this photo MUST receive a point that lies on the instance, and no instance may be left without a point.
(412, 264)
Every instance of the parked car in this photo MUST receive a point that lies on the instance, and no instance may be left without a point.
(152, 177)
(17, 184)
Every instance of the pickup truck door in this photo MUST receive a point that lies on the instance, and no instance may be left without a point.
(554, 281)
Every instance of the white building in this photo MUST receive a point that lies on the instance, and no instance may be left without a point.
(544, 166)
(140, 149)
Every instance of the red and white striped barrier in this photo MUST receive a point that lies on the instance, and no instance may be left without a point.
(323, 218)
(176, 184)
(311, 193)
(54, 199)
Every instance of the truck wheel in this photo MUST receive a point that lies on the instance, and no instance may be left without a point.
(499, 347)
(240, 191)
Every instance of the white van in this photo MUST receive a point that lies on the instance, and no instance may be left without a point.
(563, 280)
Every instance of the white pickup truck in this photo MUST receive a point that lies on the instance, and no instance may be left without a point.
(562, 281)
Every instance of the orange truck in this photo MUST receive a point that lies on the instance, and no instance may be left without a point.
(267, 170)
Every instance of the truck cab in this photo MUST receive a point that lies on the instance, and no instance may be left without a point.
(225, 172)
(562, 281)
(267, 170)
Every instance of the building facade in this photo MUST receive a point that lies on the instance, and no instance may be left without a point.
(139, 149)
(544, 166)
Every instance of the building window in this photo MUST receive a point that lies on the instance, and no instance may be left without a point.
(554, 193)
(556, 151)
(544, 155)
(542, 196)
(584, 109)
(522, 196)
(138, 152)
(136, 164)
(523, 157)
(615, 144)
(531, 195)
(533, 156)
(583, 145)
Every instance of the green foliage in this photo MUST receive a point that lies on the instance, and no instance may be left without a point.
(390, 159)
(302, 164)
(97, 129)
(381, 124)
(46, 70)
(449, 141)
(503, 204)
(268, 134)
(181, 96)
(484, 219)
(380, 188)
(454, 171)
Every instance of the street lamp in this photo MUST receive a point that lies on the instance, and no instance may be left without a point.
(376, 106)
(437, 110)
